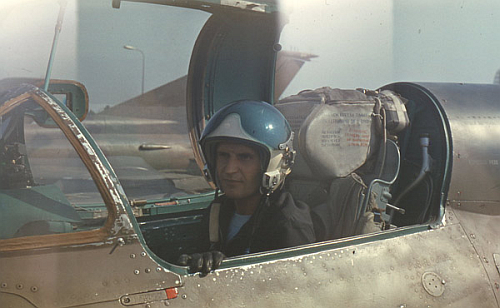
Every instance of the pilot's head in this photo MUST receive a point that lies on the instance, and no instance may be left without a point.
(249, 139)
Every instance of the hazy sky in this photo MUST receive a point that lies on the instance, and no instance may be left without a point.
(352, 39)
(359, 43)
(447, 40)
(366, 43)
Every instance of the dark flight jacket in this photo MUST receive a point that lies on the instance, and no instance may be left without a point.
(279, 222)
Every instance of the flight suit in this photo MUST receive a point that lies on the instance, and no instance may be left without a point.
(279, 222)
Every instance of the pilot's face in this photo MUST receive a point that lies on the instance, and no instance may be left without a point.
(238, 170)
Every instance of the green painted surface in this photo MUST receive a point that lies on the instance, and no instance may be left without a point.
(47, 203)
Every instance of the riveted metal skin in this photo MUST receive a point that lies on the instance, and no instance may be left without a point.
(433, 283)
(384, 273)
(83, 275)
(472, 113)
(474, 197)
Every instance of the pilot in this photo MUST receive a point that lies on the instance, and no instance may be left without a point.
(248, 151)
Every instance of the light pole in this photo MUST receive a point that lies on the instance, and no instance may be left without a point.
(130, 47)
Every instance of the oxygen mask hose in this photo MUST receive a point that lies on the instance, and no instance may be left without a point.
(426, 167)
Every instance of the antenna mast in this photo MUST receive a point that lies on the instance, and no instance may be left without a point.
(62, 8)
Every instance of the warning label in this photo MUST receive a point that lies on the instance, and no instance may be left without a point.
(346, 129)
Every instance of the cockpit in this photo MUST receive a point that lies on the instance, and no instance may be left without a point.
(370, 160)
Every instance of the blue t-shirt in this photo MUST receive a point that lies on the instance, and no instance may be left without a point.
(237, 221)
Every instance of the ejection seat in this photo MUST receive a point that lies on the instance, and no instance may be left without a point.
(346, 161)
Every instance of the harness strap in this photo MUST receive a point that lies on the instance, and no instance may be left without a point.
(213, 224)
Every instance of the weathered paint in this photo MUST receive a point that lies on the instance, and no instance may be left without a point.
(246, 5)
(386, 273)
(122, 223)
(215, 5)
(96, 275)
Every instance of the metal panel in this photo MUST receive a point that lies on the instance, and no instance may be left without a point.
(82, 275)
(481, 222)
(387, 273)
(473, 112)
(213, 5)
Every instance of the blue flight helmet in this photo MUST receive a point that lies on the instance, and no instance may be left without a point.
(255, 123)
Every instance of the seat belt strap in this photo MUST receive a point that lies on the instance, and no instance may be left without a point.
(213, 225)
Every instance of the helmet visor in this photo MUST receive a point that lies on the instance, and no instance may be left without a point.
(261, 121)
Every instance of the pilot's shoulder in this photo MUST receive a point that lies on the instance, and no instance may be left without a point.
(291, 208)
